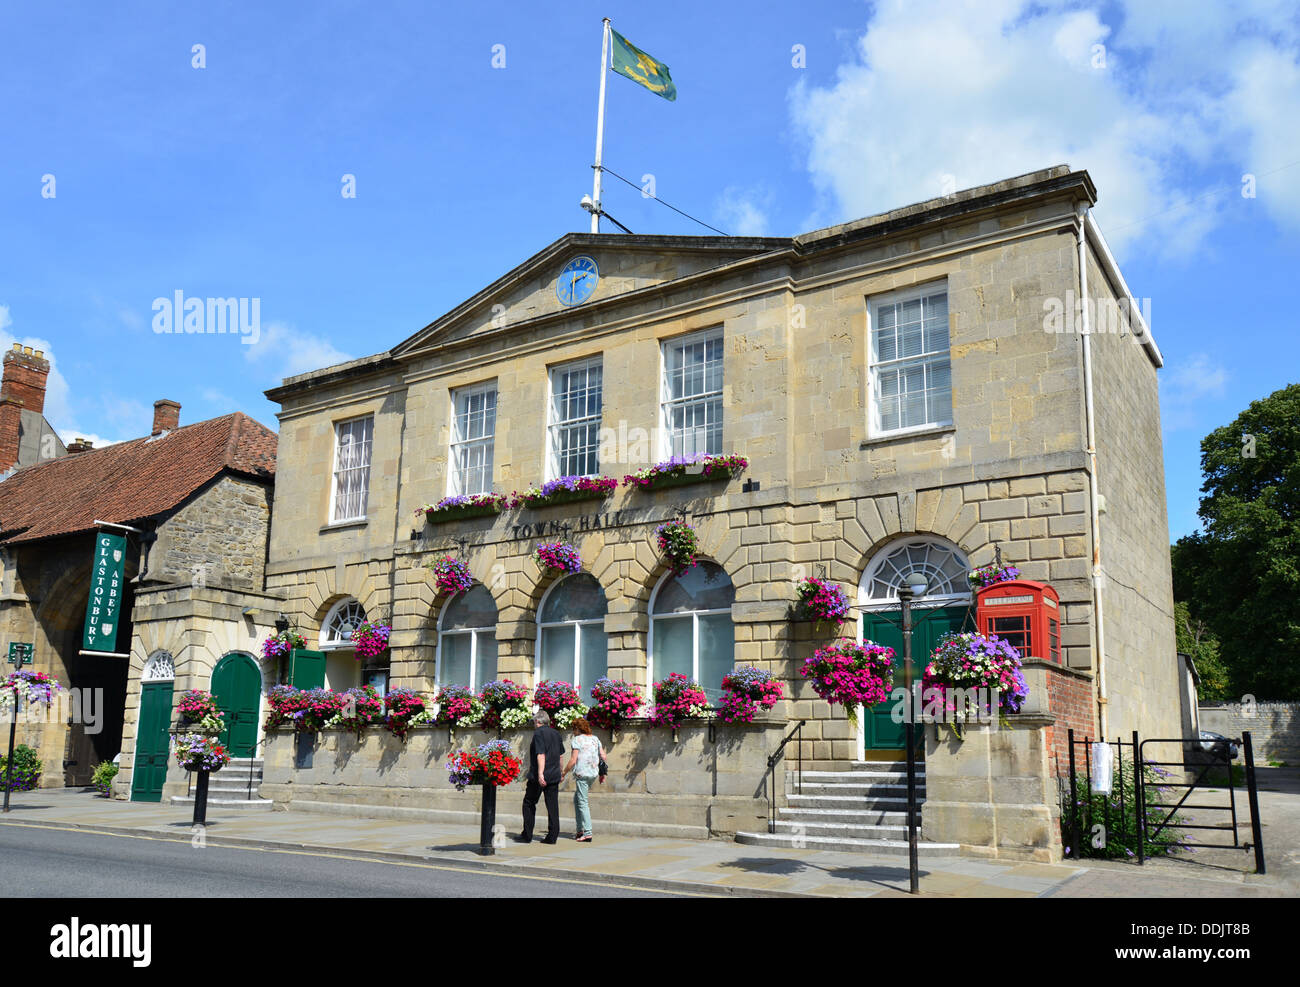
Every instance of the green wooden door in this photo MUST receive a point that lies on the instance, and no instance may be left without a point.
(237, 688)
(152, 742)
(307, 669)
(881, 732)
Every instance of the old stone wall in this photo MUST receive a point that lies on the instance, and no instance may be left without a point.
(217, 538)
(703, 782)
(1274, 728)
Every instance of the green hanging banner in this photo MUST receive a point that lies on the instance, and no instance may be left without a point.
(104, 607)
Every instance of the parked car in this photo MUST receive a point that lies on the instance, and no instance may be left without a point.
(1219, 747)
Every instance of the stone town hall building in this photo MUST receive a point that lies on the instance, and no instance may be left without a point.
(904, 401)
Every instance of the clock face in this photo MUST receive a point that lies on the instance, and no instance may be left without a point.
(577, 282)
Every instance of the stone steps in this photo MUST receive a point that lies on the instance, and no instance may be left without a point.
(842, 843)
(230, 787)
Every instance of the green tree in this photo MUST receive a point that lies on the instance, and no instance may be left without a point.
(1196, 639)
(1241, 573)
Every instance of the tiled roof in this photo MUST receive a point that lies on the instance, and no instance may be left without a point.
(130, 480)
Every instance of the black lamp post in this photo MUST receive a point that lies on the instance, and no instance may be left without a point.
(913, 586)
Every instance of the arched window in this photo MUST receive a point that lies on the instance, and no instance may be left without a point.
(690, 626)
(340, 624)
(571, 643)
(160, 667)
(467, 642)
(944, 565)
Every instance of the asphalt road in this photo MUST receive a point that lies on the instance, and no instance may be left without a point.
(39, 862)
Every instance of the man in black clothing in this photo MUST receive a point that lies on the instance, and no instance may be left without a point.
(545, 754)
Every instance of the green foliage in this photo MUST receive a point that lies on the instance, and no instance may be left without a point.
(102, 779)
(1241, 574)
(1196, 639)
(27, 770)
(1108, 824)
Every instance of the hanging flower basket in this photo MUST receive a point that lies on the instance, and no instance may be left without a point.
(33, 687)
(851, 674)
(746, 690)
(195, 752)
(992, 574)
(678, 698)
(679, 544)
(455, 508)
(978, 676)
(681, 470)
(458, 707)
(613, 703)
(280, 645)
(557, 556)
(451, 575)
(821, 600)
(505, 705)
(197, 712)
(566, 490)
(492, 763)
(371, 640)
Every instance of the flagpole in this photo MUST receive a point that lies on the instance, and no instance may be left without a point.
(600, 128)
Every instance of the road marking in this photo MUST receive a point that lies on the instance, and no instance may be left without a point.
(364, 860)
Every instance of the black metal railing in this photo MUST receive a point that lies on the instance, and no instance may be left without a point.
(773, 760)
(1137, 818)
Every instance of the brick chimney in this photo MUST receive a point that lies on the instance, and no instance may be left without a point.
(166, 416)
(81, 445)
(22, 389)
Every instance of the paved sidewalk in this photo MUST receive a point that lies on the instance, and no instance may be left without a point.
(690, 866)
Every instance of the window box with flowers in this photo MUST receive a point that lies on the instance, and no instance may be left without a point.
(306, 710)
(566, 490)
(462, 506)
(681, 470)
(458, 706)
(676, 699)
(613, 703)
(561, 701)
(747, 691)
(505, 705)
(403, 709)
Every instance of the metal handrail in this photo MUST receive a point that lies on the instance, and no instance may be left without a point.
(773, 760)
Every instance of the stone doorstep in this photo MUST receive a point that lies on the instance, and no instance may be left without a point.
(882, 846)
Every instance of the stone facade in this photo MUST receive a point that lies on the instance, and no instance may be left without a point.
(821, 491)
(218, 538)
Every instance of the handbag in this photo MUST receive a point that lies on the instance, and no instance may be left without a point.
(604, 768)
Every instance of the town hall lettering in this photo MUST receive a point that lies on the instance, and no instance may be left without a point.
(587, 522)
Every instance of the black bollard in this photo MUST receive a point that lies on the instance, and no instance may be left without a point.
(201, 798)
(488, 821)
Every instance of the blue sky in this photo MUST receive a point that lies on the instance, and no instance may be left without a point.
(225, 180)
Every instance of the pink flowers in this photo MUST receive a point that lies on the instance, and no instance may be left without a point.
(677, 698)
(747, 690)
(820, 599)
(371, 640)
(613, 702)
(850, 673)
(679, 544)
(558, 556)
(451, 575)
(701, 466)
(281, 644)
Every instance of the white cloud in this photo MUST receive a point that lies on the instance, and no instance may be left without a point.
(282, 351)
(744, 212)
(1187, 386)
(946, 95)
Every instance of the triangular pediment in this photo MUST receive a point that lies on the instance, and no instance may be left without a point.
(626, 264)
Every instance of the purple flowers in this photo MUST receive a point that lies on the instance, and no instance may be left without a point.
(820, 599)
(463, 505)
(746, 690)
(991, 574)
(195, 752)
(702, 465)
(565, 488)
(371, 640)
(451, 575)
(558, 556)
(974, 661)
(34, 687)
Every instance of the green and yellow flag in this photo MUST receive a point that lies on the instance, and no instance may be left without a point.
(631, 62)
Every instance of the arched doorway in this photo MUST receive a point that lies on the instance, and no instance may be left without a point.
(152, 739)
(237, 688)
(944, 607)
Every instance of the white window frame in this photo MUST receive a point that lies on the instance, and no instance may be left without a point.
(874, 429)
(336, 472)
(667, 402)
(473, 632)
(695, 616)
(327, 642)
(933, 545)
(455, 481)
(555, 425)
(578, 625)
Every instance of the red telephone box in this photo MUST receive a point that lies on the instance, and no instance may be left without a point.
(1025, 614)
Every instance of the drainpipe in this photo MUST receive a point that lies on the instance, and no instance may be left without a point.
(1081, 210)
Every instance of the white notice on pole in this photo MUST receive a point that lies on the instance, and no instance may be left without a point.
(1103, 768)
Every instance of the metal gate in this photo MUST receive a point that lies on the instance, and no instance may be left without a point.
(1144, 813)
